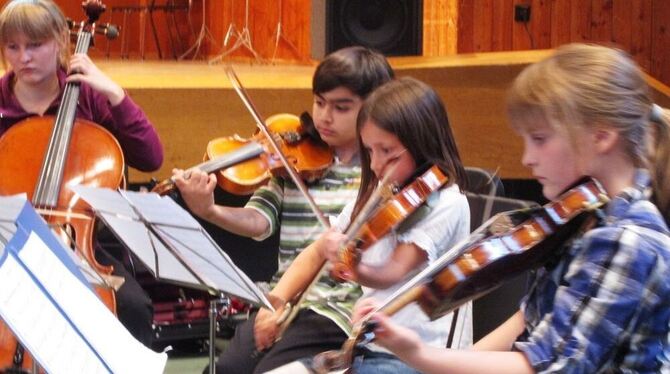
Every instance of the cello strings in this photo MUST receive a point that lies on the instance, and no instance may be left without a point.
(46, 191)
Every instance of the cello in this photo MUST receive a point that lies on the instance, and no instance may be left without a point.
(43, 157)
(505, 246)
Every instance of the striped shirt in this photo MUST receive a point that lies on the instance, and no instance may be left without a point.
(287, 210)
(605, 307)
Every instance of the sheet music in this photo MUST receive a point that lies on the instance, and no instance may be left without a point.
(170, 242)
(39, 325)
(11, 206)
(57, 317)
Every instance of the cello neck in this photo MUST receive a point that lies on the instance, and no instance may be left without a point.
(50, 177)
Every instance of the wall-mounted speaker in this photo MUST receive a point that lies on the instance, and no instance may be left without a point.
(393, 27)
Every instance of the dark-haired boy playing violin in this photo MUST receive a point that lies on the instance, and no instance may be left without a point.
(340, 84)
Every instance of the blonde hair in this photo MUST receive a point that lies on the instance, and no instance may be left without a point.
(38, 20)
(584, 85)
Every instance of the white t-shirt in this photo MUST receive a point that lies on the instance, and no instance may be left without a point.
(447, 223)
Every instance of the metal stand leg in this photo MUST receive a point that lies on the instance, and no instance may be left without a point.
(243, 39)
(213, 314)
(279, 36)
(154, 32)
(202, 35)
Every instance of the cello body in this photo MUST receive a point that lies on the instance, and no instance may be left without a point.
(94, 159)
(43, 156)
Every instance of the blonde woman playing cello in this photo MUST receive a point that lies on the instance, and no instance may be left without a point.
(35, 50)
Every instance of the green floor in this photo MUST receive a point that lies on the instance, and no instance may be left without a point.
(190, 361)
(186, 365)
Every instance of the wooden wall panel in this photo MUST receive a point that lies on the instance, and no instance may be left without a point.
(580, 27)
(503, 11)
(264, 16)
(466, 17)
(638, 26)
(450, 27)
(622, 19)
(542, 19)
(132, 31)
(521, 33)
(660, 51)
(483, 21)
(601, 20)
(560, 22)
(440, 27)
(640, 46)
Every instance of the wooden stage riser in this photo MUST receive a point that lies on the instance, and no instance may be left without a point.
(189, 118)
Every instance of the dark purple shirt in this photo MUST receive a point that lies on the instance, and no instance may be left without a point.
(139, 141)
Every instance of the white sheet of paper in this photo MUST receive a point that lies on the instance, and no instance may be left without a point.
(50, 334)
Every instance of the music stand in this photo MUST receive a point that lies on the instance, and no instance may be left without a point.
(279, 36)
(243, 37)
(171, 244)
(51, 308)
(202, 35)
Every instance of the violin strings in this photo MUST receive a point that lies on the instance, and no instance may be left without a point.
(369, 206)
(242, 93)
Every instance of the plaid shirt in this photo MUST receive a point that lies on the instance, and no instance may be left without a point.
(605, 307)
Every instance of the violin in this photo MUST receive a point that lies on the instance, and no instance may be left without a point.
(43, 157)
(370, 226)
(496, 252)
(243, 165)
(372, 223)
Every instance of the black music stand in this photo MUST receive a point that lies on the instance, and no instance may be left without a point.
(49, 305)
(172, 245)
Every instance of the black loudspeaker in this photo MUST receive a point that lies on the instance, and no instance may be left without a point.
(392, 27)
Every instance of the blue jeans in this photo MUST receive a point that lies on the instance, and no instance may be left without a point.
(371, 362)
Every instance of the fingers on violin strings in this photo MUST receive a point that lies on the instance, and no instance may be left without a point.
(212, 179)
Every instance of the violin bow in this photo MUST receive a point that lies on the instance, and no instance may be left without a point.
(291, 309)
(286, 319)
(242, 93)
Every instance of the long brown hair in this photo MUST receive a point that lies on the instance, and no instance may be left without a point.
(412, 111)
(583, 85)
